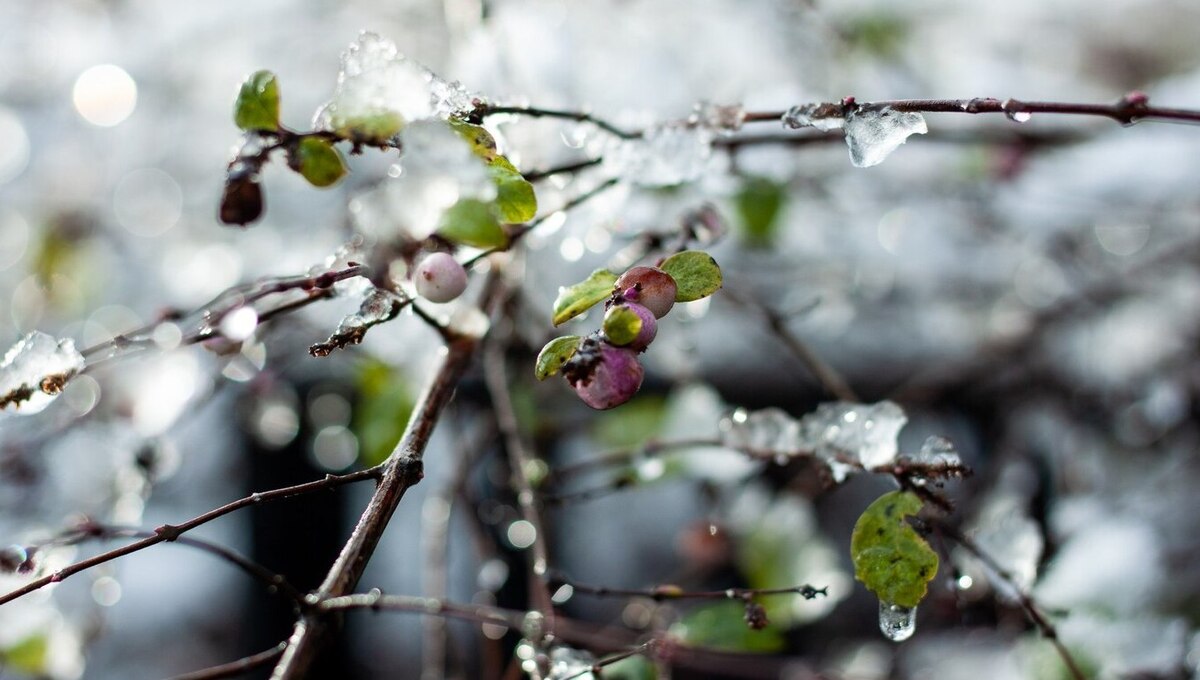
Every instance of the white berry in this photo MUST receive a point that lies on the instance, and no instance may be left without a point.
(440, 278)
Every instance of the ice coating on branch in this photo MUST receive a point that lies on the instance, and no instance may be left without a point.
(873, 133)
(437, 170)
(824, 117)
(380, 90)
(843, 434)
(570, 663)
(665, 155)
(938, 452)
(722, 118)
(769, 432)
(35, 370)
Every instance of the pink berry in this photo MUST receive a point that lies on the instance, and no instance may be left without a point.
(440, 278)
(604, 376)
(650, 287)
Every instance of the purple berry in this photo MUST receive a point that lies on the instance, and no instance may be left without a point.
(648, 330)
(440, 278)
(650, 287)
(603, 375)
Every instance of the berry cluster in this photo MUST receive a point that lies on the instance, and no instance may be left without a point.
(604, 370)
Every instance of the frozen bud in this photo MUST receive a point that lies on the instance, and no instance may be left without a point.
(440, 278)
(241, 202)
(604, 376)
(630, 325)
(650, 287)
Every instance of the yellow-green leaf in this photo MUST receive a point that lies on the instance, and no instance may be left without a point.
(383, 408)
(318, 161)
(621, 325)
(577, 299)
(722, 626)
(482, 143)
(376, 127)
(27, 656)
(472, 222)
(515, 198)
(257, 105)
(696, 274)
(758, 203)
(554, 355)
(890, 557)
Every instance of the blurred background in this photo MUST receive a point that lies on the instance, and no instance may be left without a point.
(1027, 290)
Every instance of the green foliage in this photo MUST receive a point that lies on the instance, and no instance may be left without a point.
(27, 656)
(723, 626)
(554, 355)
(577, 299)
(318, 161)
(383, 409)
(257, 104)
(621, 325)
(695, 272)
(482, 143)
(632, 668)
(515, 198)
(758, 203)
(890, 557)
(472, 222)
(636, 422)
(373, 128)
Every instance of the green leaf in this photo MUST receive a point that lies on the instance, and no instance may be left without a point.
(471, 222)
(890, 557)
(482, 143)
(554, 355)
(383, 409)
(758, 204)
(318, 161)
(577, 299)
(621, 325)
(632, 668)
(27, 656)
(376, 127)
(695, 272)
(515, 198)
(723, 626)
(257, 105)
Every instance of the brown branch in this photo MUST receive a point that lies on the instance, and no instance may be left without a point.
(533, 112)
(170, 532)
(235, 668)
(567, 168)
(1044, 626)
(674, 592)
(401, 471)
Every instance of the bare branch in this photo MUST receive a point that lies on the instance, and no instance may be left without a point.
(235, 668)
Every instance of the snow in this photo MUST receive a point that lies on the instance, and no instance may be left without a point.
(35, 370)
(665, 155)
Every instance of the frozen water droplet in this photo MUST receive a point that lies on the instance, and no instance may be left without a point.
(35, 370)
(824, 117)
(873, 134)
(1019, 116)
(897, 623)
(938, 451)
(664, 155)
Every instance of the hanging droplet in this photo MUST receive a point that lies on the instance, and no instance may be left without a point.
(897, 623)
(1019, 116)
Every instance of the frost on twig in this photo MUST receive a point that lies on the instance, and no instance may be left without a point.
(35, 370)
(378, 306)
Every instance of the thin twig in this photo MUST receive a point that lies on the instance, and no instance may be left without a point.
(235, 668)
(673, 592)
(520, 462)
(171, 532)
(826, 374)
(1044, 626)
(567, 168)
(401, 471)
(534, 112)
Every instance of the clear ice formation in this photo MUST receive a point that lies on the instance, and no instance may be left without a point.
(35, 370)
